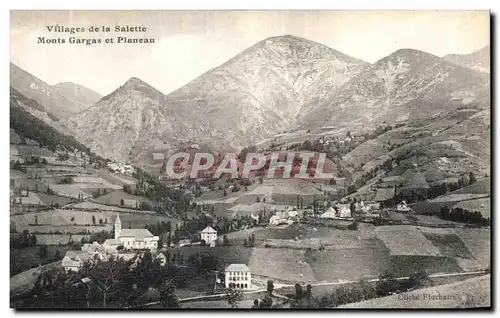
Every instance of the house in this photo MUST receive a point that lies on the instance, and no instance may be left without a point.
(113, 243)
(73, 260)
(366, 208)
(344, 210)
(330, 213)
(134, 239)
(239, 275)
(403, 207)
(209, 235)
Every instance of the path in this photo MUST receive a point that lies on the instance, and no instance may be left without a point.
(313, 285)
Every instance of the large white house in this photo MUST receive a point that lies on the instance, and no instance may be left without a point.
(239, 275)
(209, 235)
(132, 239)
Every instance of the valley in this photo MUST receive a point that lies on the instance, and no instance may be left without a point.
(407, 140)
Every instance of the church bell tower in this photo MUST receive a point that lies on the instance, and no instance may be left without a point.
(118, 227)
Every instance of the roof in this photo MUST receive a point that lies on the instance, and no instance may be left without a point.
(237, 268)
(330, 209)
(118, 219)
(113, 241)
(328, 214)
(74, 258)
(139, 234)
(209, 229)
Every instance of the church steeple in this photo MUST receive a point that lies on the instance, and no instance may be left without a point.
(118, 227)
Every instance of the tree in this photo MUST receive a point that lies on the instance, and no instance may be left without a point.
(387, 284)
(472, 178)
(351, 189)
(13, 228)
(233, 296)
(43, 251)
(309, 291)
(100, 222)
(255, 304)
(225, 240)
(93, 219)
(270, 287)
(225, 192)
(420, 279)
(267, 302)
(299, 292)
(167, 295)
(122, 202)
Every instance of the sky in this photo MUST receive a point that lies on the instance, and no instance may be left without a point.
(189, 43)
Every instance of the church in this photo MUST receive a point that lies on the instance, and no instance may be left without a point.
(132, 239)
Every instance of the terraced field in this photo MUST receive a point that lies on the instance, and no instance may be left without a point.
(406, 240)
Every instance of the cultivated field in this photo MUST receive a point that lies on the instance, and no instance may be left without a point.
(284, 264)
(88, 205)
(369, 260)
(406, 240)
(478, 242)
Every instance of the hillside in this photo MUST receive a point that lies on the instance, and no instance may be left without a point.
(407, 85)
(78, 94)
(57, 100)
(25, 122)
(122, 119)
(478, 61)
(471, 293)
(441, 150)
(258, 92)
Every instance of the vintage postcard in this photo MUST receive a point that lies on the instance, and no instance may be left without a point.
(250, 159)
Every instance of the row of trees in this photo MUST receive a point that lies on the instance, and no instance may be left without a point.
(463, 215)
(362, 290)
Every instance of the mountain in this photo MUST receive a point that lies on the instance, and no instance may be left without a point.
(25, 122)
(408, 85)
(258, 92)
(61, 102)
(113, 125)
(78, 94)
(478, 61)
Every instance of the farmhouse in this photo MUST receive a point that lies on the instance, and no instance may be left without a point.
(344, 210)
(238, 275)
(209, 235)
(132, 239)
(330, 213)
(403, 207)
(73, 260)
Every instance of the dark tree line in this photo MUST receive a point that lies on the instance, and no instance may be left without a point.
(463, 216)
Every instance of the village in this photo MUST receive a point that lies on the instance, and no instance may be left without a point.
(238, 234)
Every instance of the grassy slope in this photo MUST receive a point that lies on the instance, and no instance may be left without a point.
(471, 293)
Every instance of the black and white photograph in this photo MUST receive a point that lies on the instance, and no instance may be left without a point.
(250, 159)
